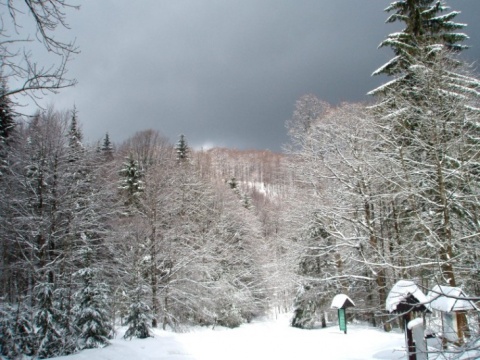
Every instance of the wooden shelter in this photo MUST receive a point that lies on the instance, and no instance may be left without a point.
(450, 301)
(406, 298)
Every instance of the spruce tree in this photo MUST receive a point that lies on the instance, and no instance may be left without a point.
(7, 122)
(182, 149)
(107, 148)
(75, 136)
(426, 118)
(318, 262)
(427, 28)
(305, 307)
(91, 310)
(49, 332)
(17, 333)
(107, 144)
(139, 315)
(131, 185)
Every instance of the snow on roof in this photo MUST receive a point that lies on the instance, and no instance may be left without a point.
(415, 322)
(342, 301)
(446, 299)
(402, 292)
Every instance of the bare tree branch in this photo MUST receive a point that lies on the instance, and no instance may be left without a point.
(24, 72)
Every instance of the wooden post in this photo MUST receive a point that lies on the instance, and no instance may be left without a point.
(409, 337)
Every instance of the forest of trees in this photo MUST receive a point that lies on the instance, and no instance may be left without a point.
(145, 233)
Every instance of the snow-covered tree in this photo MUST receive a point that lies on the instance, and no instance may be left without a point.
(180, 227)
(131, 185)
(155, 156)
(241, 256)
(54, 196)
(107, 144)
(182, 149)
(348, 179)
(91, 311)
(7, 185)
(428, 27)
(17, 333)
(305, 307)
(139, 316)
(107, 148)
(75, 136)
(318, 263)
(425, 117)
(49, 333)
(7, 122)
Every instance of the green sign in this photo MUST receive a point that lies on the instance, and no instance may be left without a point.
(342, 322)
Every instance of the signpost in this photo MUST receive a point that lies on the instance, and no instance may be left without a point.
(342, 323)
(341, 302)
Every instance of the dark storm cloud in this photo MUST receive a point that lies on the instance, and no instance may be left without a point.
(224, 73)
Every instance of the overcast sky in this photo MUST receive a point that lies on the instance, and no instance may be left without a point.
(224, 72)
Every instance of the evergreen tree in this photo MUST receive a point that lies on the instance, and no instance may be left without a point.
(317, 264)
(233, 183)
(107, 144)
(426, 30)
(49, 335)
(139, 315)
(91, 310)
(417, 121)
(17, 334)
(131, 185)
(75, 136)
(107, 148)
(246, 201)
(425, 117)
(7, 122)
(305, 307)
(182, 149)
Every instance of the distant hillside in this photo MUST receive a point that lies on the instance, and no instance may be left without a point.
(256, 172)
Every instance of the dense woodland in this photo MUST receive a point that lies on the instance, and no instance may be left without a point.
(145, 233)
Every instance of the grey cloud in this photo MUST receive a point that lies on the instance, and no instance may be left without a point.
(224, 72)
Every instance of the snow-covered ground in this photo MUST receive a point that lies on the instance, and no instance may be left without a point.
(262, 339)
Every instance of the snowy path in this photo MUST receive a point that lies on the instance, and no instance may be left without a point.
(258, 340)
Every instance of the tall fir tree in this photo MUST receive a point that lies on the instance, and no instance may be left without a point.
(182, 149)
(49, 334)
(107, 148)
(75, 135)
(426, 28)
(425, 116)
(317, 263)
(131, 184)
(139, 315)
(91, 310)
(17, 333)
(7, 121)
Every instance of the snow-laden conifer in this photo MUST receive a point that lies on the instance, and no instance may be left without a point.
(131, 184)
(182, 149)
(427, 120)
(7, 121)
(139, 315)
(428, 24)
(49, 332)
(17, 333)
(91, 311)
